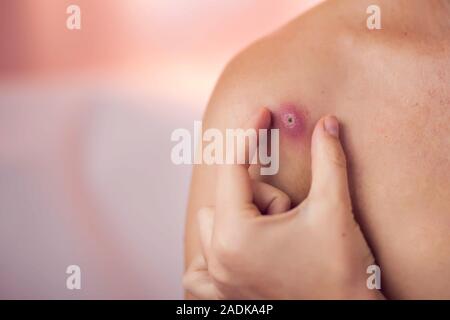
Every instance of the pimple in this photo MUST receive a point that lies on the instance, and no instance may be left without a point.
(290, 120)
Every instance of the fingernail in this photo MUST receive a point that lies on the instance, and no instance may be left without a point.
(331, 125)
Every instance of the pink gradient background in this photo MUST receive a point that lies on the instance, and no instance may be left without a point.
(85, 124)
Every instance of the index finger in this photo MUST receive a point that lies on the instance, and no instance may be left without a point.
(234, 189)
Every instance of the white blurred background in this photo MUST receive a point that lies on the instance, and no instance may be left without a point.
(85, 123)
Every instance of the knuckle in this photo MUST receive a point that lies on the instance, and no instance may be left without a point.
(226, 255)
(284, 200)
(226, 249)
(187, 280)
(218, 273)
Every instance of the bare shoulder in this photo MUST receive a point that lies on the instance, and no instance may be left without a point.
(304, 62)
(326, 60)
(390, 92)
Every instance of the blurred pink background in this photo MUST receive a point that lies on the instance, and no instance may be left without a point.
(85, 123)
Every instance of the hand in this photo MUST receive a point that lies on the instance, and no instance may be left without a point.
(313, 251)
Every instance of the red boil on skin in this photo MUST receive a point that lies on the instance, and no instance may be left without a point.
(290, 120)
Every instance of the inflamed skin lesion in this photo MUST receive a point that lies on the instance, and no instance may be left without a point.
(291, 120)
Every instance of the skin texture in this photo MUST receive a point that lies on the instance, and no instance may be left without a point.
(390, 90)
(316, 249)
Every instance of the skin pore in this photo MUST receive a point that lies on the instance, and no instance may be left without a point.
(390, 90)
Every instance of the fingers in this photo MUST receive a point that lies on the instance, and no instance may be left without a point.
(197, 280)
(234, 189)
(329, 168)
(205, 218)
(269, 199)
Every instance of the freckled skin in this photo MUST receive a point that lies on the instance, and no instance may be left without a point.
(290, 120)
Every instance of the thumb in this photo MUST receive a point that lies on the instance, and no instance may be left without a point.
(329, 166)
